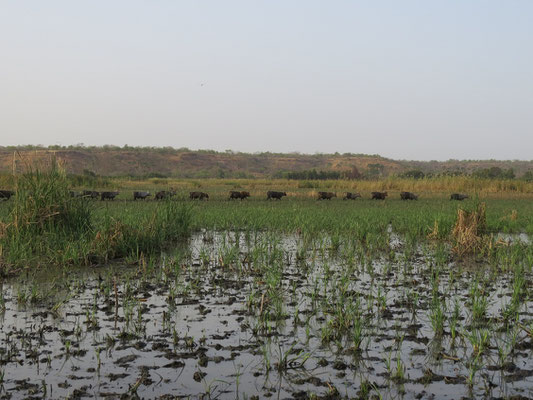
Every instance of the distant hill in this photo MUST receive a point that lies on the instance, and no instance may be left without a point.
(185, 163)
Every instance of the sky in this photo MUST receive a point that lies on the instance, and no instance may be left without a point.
(419, 80)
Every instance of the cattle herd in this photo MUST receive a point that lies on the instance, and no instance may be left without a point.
(92, 194)
(233, 195)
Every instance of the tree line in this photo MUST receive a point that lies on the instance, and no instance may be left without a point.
(377, 171)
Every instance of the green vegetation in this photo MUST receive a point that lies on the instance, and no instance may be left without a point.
(235, 307)
(528, 176)
(413, 173)
(364, 298)
(44, 225)
(495, 173)
(44, 221)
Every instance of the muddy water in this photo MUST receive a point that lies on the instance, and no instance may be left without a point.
(514, 238)
(233, 315)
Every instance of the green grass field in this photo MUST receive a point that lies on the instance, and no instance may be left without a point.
(361, 215)
(127, 228)
(337, 215)
(363, 281)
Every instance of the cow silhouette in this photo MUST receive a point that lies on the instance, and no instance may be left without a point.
(198, 195)
(164, 194)
(408, 196)
(140, 195)
(351, 196)
(271, 194)
(458, 196)
(379, 195)
(108, 195)
(326, 195)
(238, 195)
(6, 194)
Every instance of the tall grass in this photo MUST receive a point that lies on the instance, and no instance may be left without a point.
(43, 206)
(437, 185)
(141, 233)
(43, 220)
(47, 226)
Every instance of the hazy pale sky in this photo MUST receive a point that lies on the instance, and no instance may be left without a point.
(404, 79)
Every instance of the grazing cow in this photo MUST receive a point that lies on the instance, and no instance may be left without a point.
(163, 194)
(408, 196)
(275, 195)
(351, 196)
(326, 195)
(458, 196)
(140, 195)
(6, 194)
(91, 193)
(108, 195)
(379, 195)
(198, 195)
(238, 195)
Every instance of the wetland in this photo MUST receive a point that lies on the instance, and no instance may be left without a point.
(258, 299)
(258, 314)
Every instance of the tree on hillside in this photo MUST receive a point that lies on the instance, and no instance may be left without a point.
(374, 171)
(494, 173)
(413, 173)
(352, 173)
(528, 176)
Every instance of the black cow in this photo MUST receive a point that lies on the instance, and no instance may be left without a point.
(6, 194)
(458, 196)
(271, 194)
(351, 196)
(163, 194)
(238, 195)
(140, 195)
(326, 195)
(198, 195)
(91, 193)
(108, 195)
(408, 196)
(379, 195)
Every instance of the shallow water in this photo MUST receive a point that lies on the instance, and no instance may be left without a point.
(523, 238)
(232, 315)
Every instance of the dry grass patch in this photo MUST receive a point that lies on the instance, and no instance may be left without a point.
(468, 231)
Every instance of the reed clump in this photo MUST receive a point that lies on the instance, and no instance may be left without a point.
(468, 230)
(43, 205)
(46, 225)
(44, 218)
